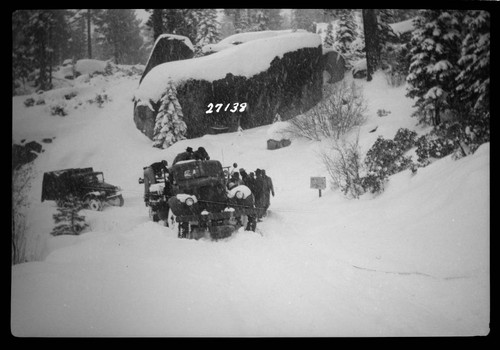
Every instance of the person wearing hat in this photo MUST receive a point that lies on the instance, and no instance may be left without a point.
(187, 155)
(158, 172)
(153, 173)
(201, 154)
(235, 178)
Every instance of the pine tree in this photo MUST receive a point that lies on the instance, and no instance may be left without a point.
(244, 22)
(78, 42)
(260, 20)
(40, 36)
(155, 21)
(346, 31)
(386, 34)
(119, 35)
(169, 127)
(303, 19)
(474, 77)
(435, 46)
(274, 18)
(329, 38)
(68, 221)
(208, 31)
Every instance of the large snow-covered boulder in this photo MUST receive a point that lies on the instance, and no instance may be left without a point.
(90, 66)
(274, 74)
(240, 38)
(167, 48)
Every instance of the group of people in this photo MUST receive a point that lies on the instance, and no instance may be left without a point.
(199, 154)
(158, 171)
(259, 183)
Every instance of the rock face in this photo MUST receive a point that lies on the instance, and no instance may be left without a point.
(168, 48)
(23, 154)
(274, 144)
(290, 86)
(334, 65)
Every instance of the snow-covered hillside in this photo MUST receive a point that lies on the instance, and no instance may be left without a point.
(413, 261)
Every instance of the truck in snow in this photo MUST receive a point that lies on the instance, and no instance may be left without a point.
(200, 202)
(84, 183)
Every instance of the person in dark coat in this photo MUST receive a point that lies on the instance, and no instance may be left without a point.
(250, 181)
(153, 173)
(244, 176)
(268, 190)
(201, 154)
(259, 190)
(184, 155)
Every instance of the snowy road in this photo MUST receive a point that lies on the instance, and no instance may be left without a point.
(413, 261)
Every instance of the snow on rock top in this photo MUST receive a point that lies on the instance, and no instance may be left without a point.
(403, 27)
(247, 59)
(90, 66)
(183, 38)
(240, 38)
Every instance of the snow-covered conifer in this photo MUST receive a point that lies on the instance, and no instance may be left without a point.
(169, 127)
(474, 77)
(208, 29)
(68, 221)
(346, 31)
(329, 38)
(435, 45)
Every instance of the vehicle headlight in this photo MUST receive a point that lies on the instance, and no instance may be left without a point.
(189, 201)
(239, 194)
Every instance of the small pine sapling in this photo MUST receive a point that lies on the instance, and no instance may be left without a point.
(68, 220)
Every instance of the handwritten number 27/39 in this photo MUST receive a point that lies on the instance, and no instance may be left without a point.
(217, 107)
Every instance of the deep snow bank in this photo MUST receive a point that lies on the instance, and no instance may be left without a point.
(413, 261)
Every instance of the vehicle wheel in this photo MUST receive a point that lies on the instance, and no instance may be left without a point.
(183, 229)
(94, 203)
(153, 215)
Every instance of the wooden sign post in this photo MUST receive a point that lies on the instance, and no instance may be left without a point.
(318, 183)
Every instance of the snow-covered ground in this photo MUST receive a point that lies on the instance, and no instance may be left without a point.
(413, 261)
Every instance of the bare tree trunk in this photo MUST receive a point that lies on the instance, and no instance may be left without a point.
(89, 38)
(51, 54)
(371, 42)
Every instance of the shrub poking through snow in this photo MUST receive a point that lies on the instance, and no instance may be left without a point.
(100, 99)
(338, 113)
(429, 147)
(343, 163)
(405, 138)
(70, 95)
(68, 219)
(386, 158)
(29, 102)
(57, 109)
